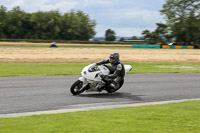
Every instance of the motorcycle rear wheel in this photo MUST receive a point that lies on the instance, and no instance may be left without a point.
(76, 88)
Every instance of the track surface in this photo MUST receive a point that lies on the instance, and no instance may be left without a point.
(40, 93)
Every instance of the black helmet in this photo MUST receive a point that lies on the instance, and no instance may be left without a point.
(114, 58)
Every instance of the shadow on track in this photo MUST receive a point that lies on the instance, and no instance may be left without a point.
(123, 95)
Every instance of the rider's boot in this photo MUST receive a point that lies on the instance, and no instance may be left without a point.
(113, 86)
(100, 85)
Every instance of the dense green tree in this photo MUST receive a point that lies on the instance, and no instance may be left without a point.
(160, 34)
(77, 26)
(46, 25)
(3, 18)
(183, 18)
(17, 24)
(150, 37)
(134, 38)
(110, 35)
(182, 22)
(85, 26)
(121, 39)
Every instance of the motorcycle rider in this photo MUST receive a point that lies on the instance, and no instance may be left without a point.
(117, 71)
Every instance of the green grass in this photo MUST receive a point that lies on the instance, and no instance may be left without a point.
(165, 67)
(30, 69)
(82, 47)
(168, 118)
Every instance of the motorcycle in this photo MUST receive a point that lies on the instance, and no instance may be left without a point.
(91, 78)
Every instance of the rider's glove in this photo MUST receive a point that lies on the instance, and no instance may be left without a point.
(94, 64)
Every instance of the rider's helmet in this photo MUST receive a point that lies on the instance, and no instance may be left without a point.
(114, 58)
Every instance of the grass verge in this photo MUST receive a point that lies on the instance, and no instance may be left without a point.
(181, 117)
(31, 69)
(78, 47)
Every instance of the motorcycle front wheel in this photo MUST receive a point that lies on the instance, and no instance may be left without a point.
(76, 88)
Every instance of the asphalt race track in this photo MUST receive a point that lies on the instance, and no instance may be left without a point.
(41, 93)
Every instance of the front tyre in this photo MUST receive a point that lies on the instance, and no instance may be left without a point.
(76, 88)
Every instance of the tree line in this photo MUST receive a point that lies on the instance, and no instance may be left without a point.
(182, 23)
(17, 24)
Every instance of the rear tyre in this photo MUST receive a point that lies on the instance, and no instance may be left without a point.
(76, 88)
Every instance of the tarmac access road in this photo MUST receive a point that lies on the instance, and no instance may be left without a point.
(41, 93)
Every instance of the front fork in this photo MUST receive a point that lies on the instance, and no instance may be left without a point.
(85, 83)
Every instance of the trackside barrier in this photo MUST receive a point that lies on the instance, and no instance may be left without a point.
(177, 47)
(161, 46)
(190, 47)
(145, 46)
(165, 46)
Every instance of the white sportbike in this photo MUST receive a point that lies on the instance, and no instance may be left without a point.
(91, 78)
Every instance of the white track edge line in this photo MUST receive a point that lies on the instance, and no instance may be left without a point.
(91, 108)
